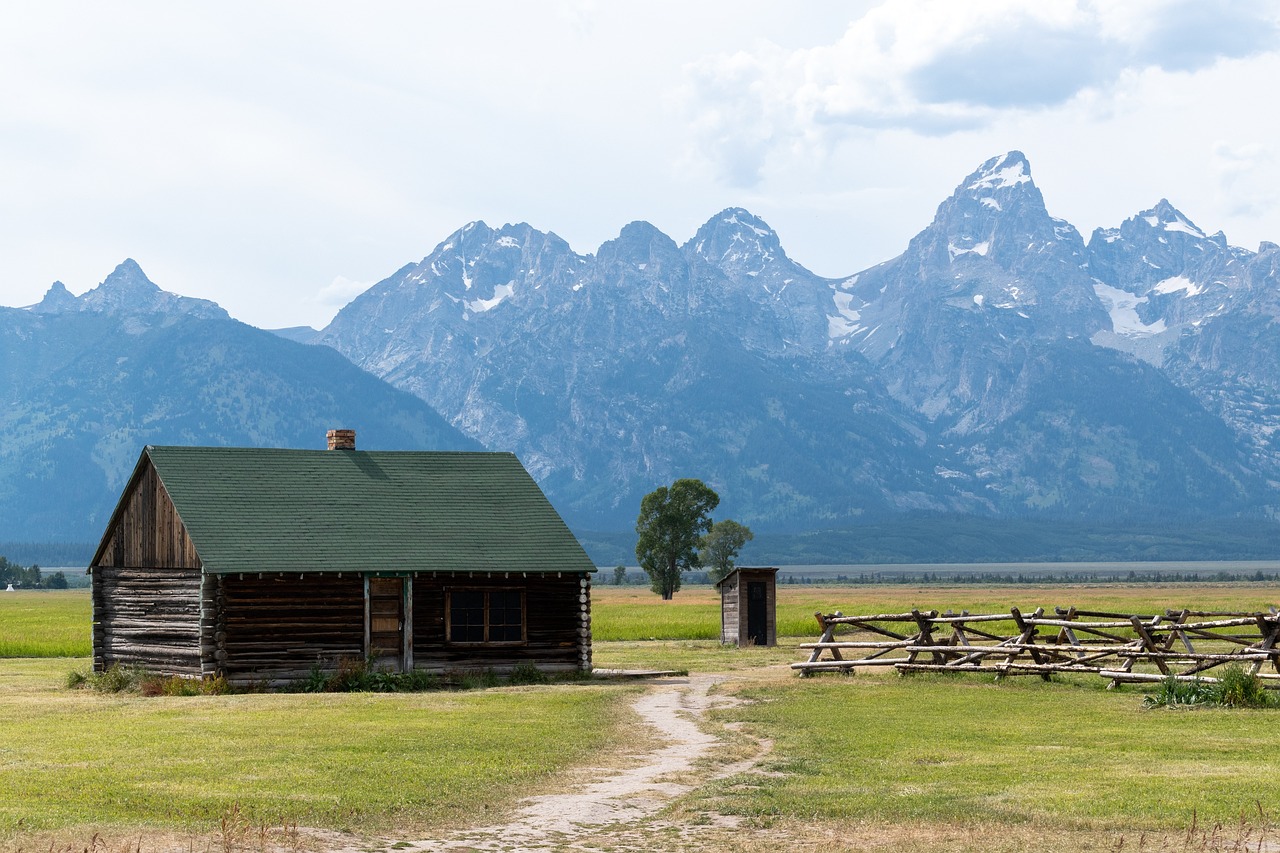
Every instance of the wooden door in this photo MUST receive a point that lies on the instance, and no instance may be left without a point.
(386, 623)
(757, 613)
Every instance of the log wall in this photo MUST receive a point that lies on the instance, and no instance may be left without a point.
(557, 624)
(147, 617)
(273, 628)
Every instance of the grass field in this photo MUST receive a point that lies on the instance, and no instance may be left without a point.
(967, 751)
(635, 613)
(940, 763)
(45, 623)
(368, 761)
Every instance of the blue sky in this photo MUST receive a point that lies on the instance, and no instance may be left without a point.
(278, 158)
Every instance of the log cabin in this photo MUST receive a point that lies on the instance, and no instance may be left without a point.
(262, 564)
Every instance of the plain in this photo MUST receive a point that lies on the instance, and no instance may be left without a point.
(872, 761)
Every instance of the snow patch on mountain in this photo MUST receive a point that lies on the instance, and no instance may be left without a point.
(1003, 174)
(1123, 308)
(1176, 283)
(847, 319)
(500, 292)
(978, 249)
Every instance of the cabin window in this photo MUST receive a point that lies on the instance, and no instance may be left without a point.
(480, 616)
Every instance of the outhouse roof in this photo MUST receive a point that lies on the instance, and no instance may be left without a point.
(267, 509)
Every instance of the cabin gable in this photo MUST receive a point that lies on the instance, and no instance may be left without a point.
(146, 531)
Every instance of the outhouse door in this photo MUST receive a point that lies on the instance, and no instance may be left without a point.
(386, 621)
(757, 613)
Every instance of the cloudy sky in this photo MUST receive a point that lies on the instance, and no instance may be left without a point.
(280, 157)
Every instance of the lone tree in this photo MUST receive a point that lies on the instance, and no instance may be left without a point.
(720, 547)
(671, 523)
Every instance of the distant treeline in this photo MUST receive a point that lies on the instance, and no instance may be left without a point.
(28, 577)
(49, 553)
(968, 539)
(953, 578)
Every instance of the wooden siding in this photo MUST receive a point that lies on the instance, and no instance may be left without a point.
(147, 532)
(147, 617)
(557, 623)
(733, 606)
(729, 610)
(273, 628)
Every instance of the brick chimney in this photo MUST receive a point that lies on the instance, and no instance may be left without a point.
(342, 439)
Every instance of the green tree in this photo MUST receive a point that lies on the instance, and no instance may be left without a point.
(671, 523)
(719, 548)
(619, 575)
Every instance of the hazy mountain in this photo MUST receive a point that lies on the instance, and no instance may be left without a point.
(86, 382)
(997, 367)
(986, 369)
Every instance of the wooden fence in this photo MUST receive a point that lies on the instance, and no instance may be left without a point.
(1181, 644)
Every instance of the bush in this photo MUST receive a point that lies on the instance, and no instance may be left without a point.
(356, 675)
(115, 679)
(1237, 688)
(527, 673)
(1234, 688)
(1173, 693)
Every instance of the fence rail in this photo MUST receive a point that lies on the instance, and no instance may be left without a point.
(1120, 647)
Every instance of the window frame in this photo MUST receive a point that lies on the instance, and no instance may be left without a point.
(485, 591)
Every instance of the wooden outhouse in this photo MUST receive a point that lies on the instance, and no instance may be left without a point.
(748, 607)
(260, 564)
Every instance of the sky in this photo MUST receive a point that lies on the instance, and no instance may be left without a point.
(280, 158)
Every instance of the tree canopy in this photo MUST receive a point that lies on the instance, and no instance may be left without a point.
(669, 529)
(720, 546)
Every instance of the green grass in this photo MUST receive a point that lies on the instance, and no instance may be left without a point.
(368, 762)
(966, 751)
(693, 656)
(53, 623)
(635, 613)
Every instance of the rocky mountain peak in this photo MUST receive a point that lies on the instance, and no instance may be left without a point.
(641, 245)
(738, 242)
(56, 299)
(998, 214)
(127, 290)
(1004, 173)
(1165, 217)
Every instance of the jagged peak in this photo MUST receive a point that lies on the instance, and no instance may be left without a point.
(128, 290)
(57, 298)
(1165, 217)
(736, 240)
(1007, 171)
(641, 229)
(128, 276)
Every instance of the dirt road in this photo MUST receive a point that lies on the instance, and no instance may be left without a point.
(619, 807)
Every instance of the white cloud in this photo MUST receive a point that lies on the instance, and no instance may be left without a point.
(935, 67)
(1247, 176)
(329, 299)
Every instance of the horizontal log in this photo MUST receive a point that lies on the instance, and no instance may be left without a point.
(869, 644)
(879, 617)
(1271, 682)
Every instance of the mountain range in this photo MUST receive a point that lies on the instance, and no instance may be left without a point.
(1000, 367)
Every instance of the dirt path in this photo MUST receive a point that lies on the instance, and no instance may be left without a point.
(620, 803)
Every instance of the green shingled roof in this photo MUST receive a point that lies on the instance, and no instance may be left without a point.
(259, 509)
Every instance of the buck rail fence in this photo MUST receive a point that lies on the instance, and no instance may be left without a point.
(1121, 647)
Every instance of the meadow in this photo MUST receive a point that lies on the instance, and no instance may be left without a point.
(945, 763)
